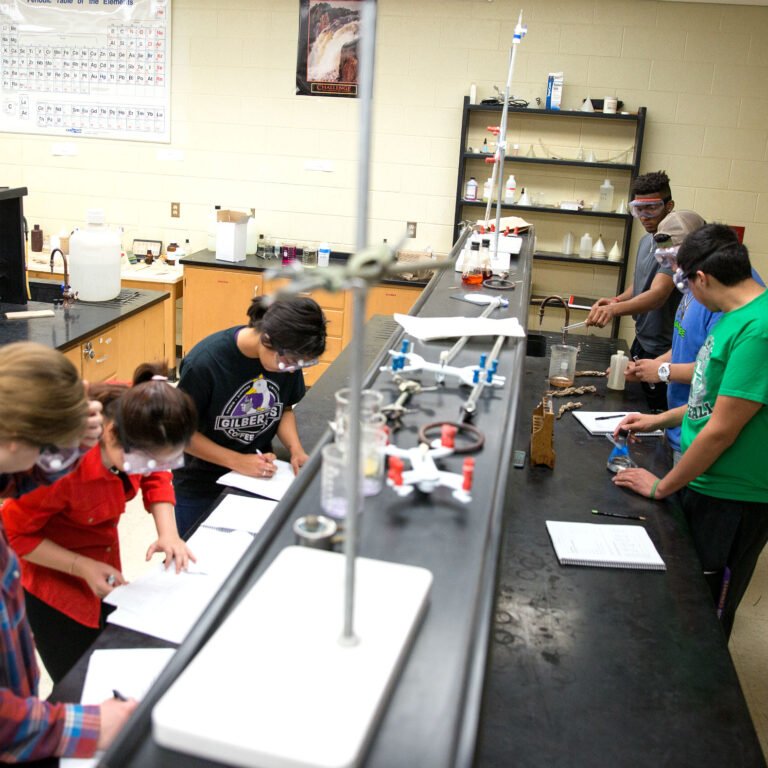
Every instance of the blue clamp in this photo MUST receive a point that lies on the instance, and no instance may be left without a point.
(483, 359)
(476, 376)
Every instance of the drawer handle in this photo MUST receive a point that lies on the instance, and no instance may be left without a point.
(102, 360)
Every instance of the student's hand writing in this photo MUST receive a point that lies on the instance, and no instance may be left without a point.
(638, 480)
(114, 715)
(256, 464)
(100, 577)
(647, 370)
(174, 549)
(93, 426)
(298, 460)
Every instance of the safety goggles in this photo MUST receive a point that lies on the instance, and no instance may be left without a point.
(647, 208)
(137, 462)
(288, 363)
(681, 280)
(54, 459)
(666, 255)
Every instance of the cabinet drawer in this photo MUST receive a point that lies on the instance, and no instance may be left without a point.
(335, 318)
(332, 349)
(100, 356)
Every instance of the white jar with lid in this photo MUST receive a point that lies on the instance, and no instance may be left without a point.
(94, 259)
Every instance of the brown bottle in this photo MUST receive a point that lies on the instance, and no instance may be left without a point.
(37, 238)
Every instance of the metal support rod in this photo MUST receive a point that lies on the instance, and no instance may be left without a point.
(470, 404)
(367, 43)
(447, 357)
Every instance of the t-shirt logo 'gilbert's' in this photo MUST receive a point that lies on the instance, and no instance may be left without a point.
(253, 409)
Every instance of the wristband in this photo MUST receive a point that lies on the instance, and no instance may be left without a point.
(652, 494)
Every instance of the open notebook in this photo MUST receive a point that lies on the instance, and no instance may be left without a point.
(604, 422)
(604, 545)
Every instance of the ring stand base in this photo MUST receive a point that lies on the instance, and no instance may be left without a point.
(276, 687)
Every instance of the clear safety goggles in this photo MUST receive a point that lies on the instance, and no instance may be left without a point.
(288, 363)
(680, 280)
(137, 462)
(54, 459)
(647, 209)
(666, 255)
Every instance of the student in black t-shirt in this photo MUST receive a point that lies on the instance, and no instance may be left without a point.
(245, 381)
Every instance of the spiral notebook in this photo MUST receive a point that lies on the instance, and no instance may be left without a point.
(603, 545)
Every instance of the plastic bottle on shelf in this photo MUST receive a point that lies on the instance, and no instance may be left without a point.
(488, 190)
(213, 220)
(251, 235)
(323, 255)
(585, 246)
(470, 193)
(36, 235)
(605, 201)
(618, 367)
(509, 190)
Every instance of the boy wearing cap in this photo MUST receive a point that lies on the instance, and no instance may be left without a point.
(652, 298)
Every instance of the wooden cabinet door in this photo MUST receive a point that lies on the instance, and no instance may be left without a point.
(141, 339)
(215, 299)
(100, 355)
(388, 299)
(75, 355)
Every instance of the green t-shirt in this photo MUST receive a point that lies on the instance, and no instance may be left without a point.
(733, 361)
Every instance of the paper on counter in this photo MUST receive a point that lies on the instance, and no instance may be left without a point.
(132, 671)
(272, 487)
(595, 423)
(240, 513)
(426, 328)
(166, 604)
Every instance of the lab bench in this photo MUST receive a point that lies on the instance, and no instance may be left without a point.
(518, 660)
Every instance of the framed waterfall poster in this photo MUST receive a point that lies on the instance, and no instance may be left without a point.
(327, 61)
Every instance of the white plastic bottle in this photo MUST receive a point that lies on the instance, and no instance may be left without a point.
(605, 201)
(213, 220)
(94, 259)
(618, 367)
(509, 190)
(470, 193)
(488, 190)
(323, 255)
(585, 246)
(251, 235)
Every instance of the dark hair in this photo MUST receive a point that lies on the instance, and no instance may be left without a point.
(715, 250)
(150, 413)
(295, 324)
(656, 181)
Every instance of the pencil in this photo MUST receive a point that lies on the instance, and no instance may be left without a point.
(119, 696)
(612, 416)
(616, 514)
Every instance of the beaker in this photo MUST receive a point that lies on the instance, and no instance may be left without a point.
(334, 493)
(562, 365)
(619, 457)
(370, 407)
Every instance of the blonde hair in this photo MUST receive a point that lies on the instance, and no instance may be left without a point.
(42, 398)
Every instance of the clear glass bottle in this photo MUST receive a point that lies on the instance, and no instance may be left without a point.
(471, 273)
(485, 259)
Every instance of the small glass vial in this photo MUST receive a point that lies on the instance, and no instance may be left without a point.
(471, 273)
(485, 259)
(619, 457)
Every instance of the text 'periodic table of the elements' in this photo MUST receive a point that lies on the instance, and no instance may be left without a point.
(95, 68)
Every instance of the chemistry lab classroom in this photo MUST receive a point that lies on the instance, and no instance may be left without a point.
(417, 605)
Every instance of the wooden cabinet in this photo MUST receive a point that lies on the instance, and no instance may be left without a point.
(141, 339)
(99, 356)
(215, 299)
(388, 299)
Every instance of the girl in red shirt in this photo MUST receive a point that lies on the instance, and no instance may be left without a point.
(66, 533)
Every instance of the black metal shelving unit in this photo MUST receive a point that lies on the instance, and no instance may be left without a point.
(463, 207)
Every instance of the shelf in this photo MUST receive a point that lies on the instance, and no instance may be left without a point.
(549, 161)
(557, 256)
(549, 209)
(551, 112)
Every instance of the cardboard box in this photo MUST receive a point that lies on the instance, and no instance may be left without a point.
(231, 233)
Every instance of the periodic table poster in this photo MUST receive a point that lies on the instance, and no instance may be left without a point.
(98, 68)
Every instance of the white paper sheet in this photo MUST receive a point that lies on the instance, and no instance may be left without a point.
(165, 604)
(272, 487)
(240, 513)
(596, 423)
(132, 671)
(426, 328)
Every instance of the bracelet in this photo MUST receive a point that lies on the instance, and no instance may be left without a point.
(72, 567)
(652, 494)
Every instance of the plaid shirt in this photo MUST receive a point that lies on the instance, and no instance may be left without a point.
(31, 729)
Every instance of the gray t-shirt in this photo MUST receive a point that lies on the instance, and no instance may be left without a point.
(653, 329)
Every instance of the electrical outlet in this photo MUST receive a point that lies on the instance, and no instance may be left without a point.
(411, 228)
(175, 210)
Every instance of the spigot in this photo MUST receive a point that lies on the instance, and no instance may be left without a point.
(554, 299)
(68, 296)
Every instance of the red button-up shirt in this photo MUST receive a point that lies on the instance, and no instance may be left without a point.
(79, 512)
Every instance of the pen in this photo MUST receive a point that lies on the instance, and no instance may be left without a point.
(612, 416)
(119, 696)
(616, 514)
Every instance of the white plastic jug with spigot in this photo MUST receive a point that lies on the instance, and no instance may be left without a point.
(94, 259)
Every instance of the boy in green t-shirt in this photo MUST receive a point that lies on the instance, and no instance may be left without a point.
(724, 424)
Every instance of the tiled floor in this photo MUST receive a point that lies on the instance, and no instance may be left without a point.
(749, 639)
